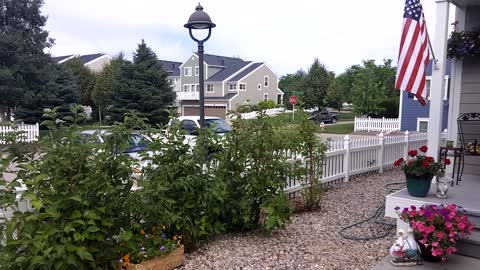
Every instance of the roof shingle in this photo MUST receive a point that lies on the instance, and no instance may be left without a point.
(171, 67)
(246, 71)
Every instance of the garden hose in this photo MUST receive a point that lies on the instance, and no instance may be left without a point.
(378, 218)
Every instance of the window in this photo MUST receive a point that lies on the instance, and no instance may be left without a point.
(186, 88)
(187, 71)
(259, 87)
(197, 71)
(428, 84)
(265, 96)
(242, 87)
(189, 126)
(210, 88)
(232, 87)
(422, 124)
(265, 81)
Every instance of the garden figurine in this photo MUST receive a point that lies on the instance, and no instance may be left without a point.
(404, 250)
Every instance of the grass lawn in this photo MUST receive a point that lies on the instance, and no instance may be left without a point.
(339, 128)
(347, 116)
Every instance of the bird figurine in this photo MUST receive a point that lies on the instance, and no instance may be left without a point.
(399, 248)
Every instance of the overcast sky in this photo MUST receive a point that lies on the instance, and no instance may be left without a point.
(287, 35)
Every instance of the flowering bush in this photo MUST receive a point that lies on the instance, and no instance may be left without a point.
(420, 165)
(141, 245)
(437, 226)
(462, 44)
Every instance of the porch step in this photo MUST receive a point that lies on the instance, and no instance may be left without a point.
(471, 246)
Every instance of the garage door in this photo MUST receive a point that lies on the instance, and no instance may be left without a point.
(217, 111)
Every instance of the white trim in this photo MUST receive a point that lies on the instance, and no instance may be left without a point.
(259, 87)
(230, 101)
(230, 87)
(240, 87)
(68, 58)
(98, 58)
(280, 90)
(265, 96)
(400, 109)
(447, 85)
(251, 72)
(194, 55)
(231, 76)
(185, 72)
(197, 71)
(266, 81)
(423, 119)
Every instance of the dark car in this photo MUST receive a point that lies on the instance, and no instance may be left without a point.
(325, 116)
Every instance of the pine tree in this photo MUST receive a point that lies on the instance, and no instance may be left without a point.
(84, 78)
(27, 74)
(316, 85)
(143, 87)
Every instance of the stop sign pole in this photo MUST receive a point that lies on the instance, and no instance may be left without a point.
(293, 100)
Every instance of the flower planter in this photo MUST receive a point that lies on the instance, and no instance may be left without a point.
(170, 261)
(426, 253)
(418, 186)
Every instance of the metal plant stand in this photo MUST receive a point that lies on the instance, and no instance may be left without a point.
(458, 163)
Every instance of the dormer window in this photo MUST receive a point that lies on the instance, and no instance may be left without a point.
(232, 87)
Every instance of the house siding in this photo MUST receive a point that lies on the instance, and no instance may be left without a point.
(98, 64)
(470, 86)
(252, 94)
(412, 110)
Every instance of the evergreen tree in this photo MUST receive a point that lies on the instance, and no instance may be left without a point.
(316, 85)
(292, 85)
(143, 87)
(27, 74)
(105, 83)
(84, 78)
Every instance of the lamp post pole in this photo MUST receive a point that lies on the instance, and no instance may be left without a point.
(201, 81)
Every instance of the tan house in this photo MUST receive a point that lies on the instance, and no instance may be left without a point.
(229, 83)
(95, 62)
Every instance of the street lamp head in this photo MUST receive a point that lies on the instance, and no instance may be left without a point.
(199, 20)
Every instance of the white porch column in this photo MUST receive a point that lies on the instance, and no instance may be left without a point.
(438, 78)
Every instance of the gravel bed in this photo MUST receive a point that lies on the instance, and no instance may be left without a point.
(310, 241)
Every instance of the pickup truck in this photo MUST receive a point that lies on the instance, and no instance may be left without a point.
(324, 116)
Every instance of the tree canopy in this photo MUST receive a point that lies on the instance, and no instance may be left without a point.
(84, 78)
(143, 87)
(317, 84)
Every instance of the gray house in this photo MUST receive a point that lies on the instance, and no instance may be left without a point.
(173, 70)
(229, 83)
(95, 62)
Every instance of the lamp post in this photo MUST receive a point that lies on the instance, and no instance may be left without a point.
(199, 20)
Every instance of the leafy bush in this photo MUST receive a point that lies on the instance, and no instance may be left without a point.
(244, 109)
(80, 197)
(267, 104)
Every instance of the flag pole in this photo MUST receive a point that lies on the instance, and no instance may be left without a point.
(435, 61)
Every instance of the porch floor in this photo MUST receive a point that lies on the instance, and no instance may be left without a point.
(454, 262)
(465, 194)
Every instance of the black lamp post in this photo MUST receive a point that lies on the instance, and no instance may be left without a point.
(199, 20)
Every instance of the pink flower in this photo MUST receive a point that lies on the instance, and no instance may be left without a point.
(440, 235)
(461, 225)
(437, 252)
(450, 250)
(430, 229)
(435, 244)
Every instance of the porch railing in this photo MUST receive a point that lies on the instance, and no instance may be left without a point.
(349, 157)
(376, 124)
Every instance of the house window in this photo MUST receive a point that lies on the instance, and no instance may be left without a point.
(265, 81)
(195, 88)
(259, 87)
(265, 96)
(422, 124)
(197, 71)
(232, 87)
(187, 71)
(186, 88)
(242, 87)
(210, 88)
(428, 84)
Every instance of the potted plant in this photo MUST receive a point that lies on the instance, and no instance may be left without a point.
(149, 249)
(437, 228)
(419, 171)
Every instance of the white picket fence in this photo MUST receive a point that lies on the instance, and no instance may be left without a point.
(29, 132)
(349, 157)
(376, 124)
(268, 112)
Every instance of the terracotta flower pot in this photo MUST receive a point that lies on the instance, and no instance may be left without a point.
(418, 186)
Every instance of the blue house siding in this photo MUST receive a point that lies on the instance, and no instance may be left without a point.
(412, 109)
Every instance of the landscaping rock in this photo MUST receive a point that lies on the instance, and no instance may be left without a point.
(311, 240)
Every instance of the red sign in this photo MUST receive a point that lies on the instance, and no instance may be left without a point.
(293, 100)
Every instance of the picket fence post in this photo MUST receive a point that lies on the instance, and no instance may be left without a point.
(407, 145)
(346, 158)
(355, 124)
(383, 124)
(381, 152)
(369, 124)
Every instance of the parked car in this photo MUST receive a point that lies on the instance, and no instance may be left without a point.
(136, 144)
(191, 124)
(324, 116)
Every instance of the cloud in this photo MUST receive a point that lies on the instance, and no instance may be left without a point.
(287, 35)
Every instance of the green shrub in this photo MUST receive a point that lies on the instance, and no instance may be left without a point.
(267, 104)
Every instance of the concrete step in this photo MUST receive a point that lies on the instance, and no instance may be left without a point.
(471, 246)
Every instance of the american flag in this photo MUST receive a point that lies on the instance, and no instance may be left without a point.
(414, 55)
